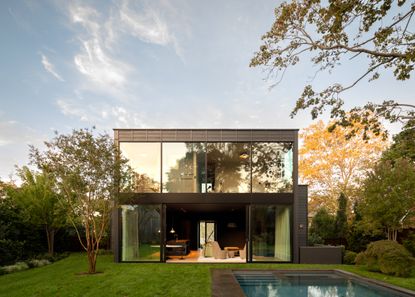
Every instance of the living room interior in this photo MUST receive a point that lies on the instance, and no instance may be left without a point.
(205, 233)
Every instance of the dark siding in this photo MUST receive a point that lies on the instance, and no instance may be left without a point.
(205, 135)
(302, 206)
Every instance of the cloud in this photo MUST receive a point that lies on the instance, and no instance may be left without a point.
(147, 25)
(50, 68)
(100, 68)
(104, 115)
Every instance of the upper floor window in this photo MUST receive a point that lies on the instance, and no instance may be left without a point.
(272, 167)
(184, 167)
(217, 167)
(145, 162)
(228, 167)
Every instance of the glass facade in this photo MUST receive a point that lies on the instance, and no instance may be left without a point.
(271, 233)
(145, 162)
(140, 232)
(221, 167)
(228, 167)
(272, 167)
(184, 167)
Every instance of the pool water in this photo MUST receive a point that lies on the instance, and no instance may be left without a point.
(295, 284)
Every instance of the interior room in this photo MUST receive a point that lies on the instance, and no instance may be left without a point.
(205, 233)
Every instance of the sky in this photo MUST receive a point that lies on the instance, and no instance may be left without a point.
(148, 64)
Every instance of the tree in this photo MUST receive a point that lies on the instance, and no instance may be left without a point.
(88, 171)
(389, 196)
(341, 225)
(323, 225)
(331, 165)
(403, 146)
(40, 204)
(333, 31)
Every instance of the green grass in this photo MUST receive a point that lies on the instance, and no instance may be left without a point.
(146, 279)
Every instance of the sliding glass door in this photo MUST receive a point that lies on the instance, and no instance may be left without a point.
(271, 233)
(207, 232)
(140, 232)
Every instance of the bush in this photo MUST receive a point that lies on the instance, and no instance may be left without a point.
(37, 263)
(10, 251)
(409, 243)
(388, 257)
(349, 257)
(52, 258)
(19, 266)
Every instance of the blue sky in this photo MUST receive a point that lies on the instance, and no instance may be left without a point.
(156, 64)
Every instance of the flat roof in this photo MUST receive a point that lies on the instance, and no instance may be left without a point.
(203, 129)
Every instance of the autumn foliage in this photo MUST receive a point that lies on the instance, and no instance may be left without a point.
(331, 164)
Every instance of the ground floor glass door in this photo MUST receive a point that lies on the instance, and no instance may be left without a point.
(207, 232)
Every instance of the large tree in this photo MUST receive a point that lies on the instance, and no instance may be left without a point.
(88, 170)
(330, 32)
(331, 165)
(389, 196)
(40, 204)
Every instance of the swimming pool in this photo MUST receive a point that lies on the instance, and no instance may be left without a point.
(256, 283)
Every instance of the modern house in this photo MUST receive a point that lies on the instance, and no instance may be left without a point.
(195, 191)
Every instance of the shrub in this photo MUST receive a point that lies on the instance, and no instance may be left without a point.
(386, 256)
(19, 266)
(37, 263)
(349, 257)
(10, 251)
(409, 243)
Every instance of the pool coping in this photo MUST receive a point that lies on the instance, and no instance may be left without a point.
(224, 283)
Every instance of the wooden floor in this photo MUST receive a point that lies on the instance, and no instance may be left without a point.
(197, 257)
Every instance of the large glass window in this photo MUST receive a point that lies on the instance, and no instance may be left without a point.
(228, 167)
(184, 167)
(272, 167)
(140, 239)
(271, 233)
(145, 162)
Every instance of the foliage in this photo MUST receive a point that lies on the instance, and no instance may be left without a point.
(388, 257)
(349, 257)
(88, 172)
(10, 251)
(403, 146)
(18, 239)
(409, 243)
(358, 236)
(341, 217)
(330, 32)
(40, 204)
(323, 225)
(389, 196)
(331, 165)
(19, 266)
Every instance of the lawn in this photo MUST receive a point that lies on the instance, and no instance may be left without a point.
(159, 279)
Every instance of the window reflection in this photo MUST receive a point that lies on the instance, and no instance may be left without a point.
(140, 233)
(228, 167)
(145, 163)
(271, 233)
(272, 167)
(183, 167)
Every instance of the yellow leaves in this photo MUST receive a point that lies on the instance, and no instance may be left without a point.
(330, 164)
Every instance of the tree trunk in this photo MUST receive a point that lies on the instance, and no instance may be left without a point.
(92, 261)
(50, 235)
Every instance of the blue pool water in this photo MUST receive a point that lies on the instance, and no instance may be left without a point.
(274, 284)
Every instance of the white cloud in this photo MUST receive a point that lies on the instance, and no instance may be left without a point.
(99, 67)
(50, 68)
(146, 25)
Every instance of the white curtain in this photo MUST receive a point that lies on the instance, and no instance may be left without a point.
(282, 234)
